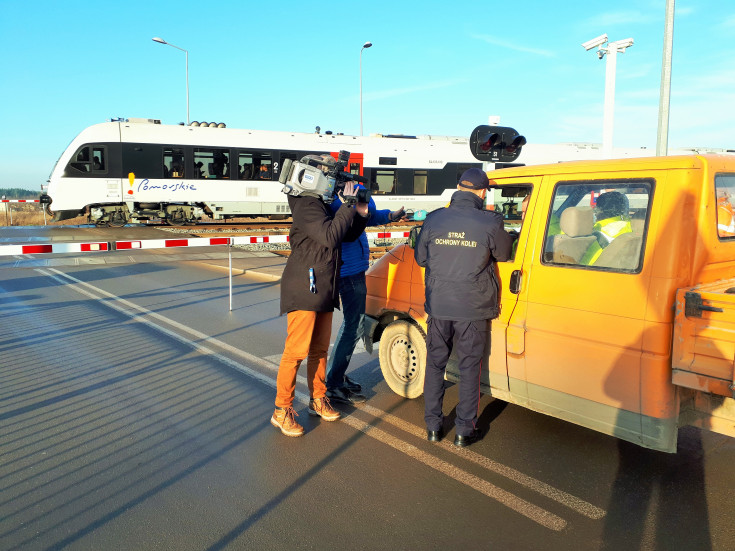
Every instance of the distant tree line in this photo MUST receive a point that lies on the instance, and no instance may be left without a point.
(18, 193)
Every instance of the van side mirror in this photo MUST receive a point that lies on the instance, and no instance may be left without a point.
(413, 236)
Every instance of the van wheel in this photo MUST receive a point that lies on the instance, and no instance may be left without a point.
(403, 358)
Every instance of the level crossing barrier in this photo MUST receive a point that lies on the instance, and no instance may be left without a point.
(9, 211)
(148, 244)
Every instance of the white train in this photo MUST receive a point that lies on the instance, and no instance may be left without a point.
(140, 169)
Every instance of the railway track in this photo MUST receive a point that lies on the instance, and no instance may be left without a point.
(268, 228)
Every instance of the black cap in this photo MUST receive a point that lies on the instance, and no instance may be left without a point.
(474, 178)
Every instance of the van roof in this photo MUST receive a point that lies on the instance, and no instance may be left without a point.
(611, 165)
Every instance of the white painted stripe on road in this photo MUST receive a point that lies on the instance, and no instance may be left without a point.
(541, 516)
(560, 496)
(512, 501)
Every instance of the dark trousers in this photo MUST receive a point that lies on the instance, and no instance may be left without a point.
(352, 293)
(470, 337)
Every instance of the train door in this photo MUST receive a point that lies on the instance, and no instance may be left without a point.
(356, 164)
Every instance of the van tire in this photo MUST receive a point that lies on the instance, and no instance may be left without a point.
(403, 358)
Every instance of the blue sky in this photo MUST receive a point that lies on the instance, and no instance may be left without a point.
(435, 68)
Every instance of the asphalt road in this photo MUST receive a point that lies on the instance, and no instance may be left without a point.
(134, 414)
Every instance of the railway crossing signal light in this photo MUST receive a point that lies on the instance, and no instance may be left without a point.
(496, 144)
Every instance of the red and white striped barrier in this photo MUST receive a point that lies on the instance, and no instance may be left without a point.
(19, 201)
(54, 248)
(50, 248)
(387, 235)
(166, 243)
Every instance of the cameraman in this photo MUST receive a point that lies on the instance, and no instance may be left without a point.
(309, 295)
(353, 292)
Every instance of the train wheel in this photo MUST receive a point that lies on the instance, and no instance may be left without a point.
(118, 219)
(403, 358)
(176, 217)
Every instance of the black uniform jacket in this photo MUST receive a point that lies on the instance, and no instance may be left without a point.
(316, 237)
(459, 245)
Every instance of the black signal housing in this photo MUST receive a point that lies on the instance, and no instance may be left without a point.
(496, 144)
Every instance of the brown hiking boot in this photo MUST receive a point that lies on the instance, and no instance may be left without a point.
(322, 408)
(284, 420)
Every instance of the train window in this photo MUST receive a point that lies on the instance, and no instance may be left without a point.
(420, 178)
(255, 166)
(98, 159)
(246, 170)
(211, 163)
(461, 168)
(265, 170)
(81, 160)
(355, 168)
(384, 182)
(173, 162)
(87, 160)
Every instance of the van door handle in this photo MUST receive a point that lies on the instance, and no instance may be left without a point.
(693, 305)
(515, 281)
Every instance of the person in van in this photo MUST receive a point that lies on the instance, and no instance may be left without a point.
(612, 219)
(725, 216)
(515, 234)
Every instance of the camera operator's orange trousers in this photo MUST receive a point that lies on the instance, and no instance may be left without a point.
(307, 338)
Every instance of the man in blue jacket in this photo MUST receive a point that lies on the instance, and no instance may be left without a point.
(459, 246)
(352, 293)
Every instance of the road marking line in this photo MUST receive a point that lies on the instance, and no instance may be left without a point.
(560, 496)
(541, 516)
(512, 501)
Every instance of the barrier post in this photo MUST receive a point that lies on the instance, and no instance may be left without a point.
(229, 258)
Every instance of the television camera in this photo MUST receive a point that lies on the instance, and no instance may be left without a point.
(321, 176)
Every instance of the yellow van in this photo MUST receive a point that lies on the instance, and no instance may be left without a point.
(617, 309)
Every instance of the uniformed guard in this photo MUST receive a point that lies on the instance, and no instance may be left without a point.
(459, 246)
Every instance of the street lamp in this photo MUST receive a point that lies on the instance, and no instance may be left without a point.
(366, 45)
(662, 136)
(162, 41)
(611, 50)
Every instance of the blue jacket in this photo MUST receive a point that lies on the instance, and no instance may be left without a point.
(356, 254)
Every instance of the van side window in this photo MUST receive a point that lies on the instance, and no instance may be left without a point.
(725, 193)
(511, 201)
(599, 224)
